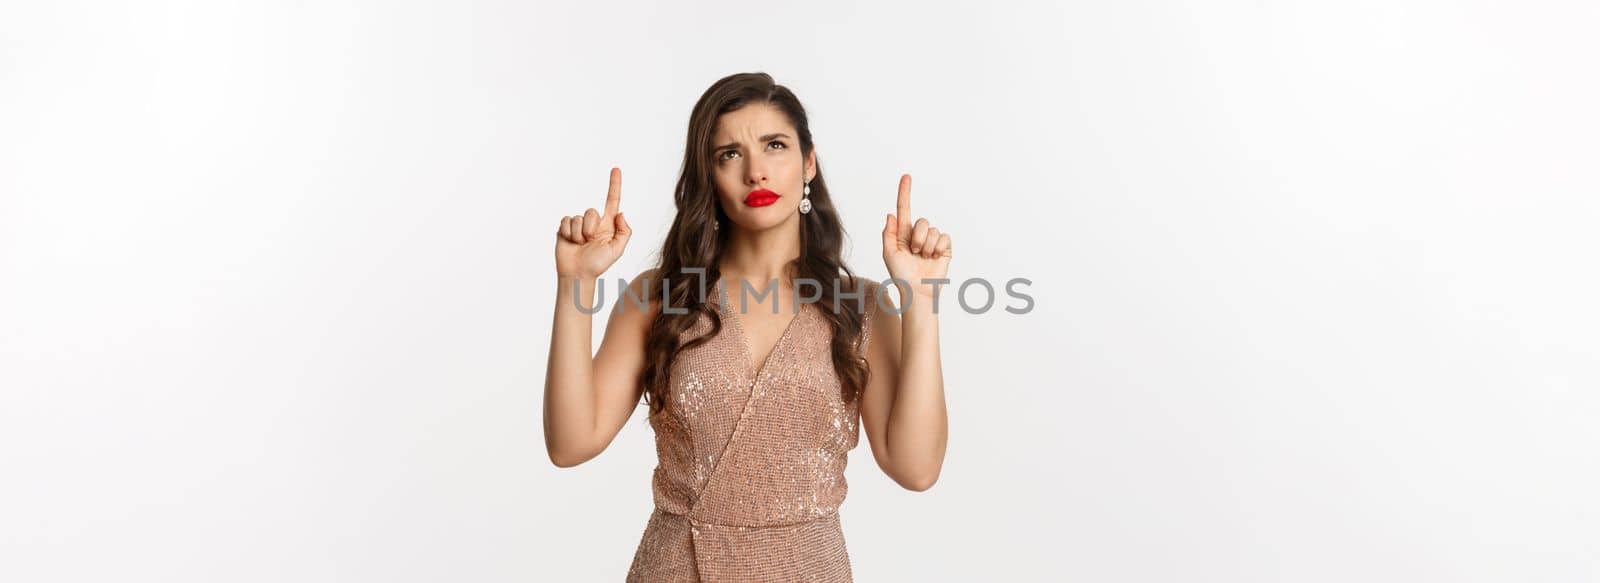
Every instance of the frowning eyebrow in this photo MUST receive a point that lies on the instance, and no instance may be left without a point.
(766, 138)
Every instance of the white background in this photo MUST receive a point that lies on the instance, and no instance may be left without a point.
(1314, 282)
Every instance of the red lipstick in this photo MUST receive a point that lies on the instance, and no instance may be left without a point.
(760, 197)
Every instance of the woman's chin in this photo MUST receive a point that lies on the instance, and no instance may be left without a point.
(763, 218)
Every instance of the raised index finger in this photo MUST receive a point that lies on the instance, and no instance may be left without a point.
(614, 193)
(903, 203)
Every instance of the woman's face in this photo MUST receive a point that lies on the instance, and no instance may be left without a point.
(755, 148)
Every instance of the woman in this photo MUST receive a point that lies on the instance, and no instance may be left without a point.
(754, 407)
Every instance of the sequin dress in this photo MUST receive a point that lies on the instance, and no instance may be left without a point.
(751, 460)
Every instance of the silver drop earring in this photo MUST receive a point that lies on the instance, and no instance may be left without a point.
(805, 200)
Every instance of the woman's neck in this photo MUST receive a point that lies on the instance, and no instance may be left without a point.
(762, 256)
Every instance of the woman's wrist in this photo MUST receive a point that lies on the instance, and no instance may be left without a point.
(577, 291)
(568, 277)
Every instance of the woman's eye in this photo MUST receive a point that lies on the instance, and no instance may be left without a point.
(778, 144)
(727, 155)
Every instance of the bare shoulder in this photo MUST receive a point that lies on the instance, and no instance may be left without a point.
(643, 290)
(877, 311)
(866, 284)
(856, 284)
(871, 291)
(645, 278)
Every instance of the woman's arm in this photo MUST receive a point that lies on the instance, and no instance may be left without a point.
(587, 398)
(903, 407)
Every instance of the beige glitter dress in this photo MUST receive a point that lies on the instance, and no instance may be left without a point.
(751, 470)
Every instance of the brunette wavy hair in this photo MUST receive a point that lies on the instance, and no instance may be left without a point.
(693, 243)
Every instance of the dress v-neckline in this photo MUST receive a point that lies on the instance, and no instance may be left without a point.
(750, 367)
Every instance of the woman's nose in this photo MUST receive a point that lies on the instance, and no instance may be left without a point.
(755, 172)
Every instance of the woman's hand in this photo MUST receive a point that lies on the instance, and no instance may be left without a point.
(587, 244)
(914, 252)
